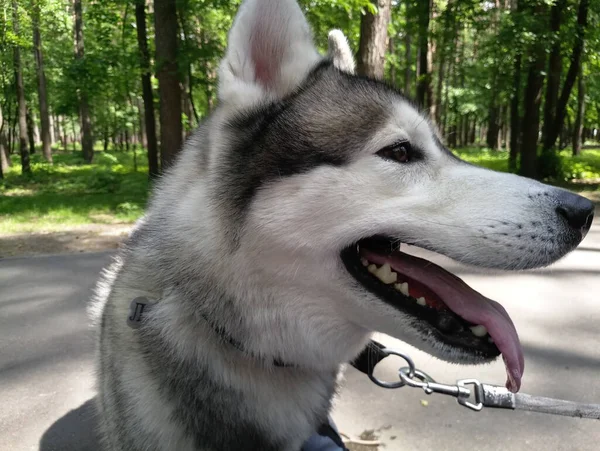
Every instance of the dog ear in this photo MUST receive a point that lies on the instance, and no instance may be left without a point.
(270, 52)
(340, 53)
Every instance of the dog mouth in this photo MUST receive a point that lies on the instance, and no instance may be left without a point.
(442, 306)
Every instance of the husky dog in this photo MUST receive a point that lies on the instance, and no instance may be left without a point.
(271, 251)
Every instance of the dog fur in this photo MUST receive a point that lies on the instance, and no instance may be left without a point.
(243, 234)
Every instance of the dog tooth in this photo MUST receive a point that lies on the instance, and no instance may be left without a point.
(421, 301)
(404, 289)
(479, 330)
(372, 268)
(364, 262)
(386, 275)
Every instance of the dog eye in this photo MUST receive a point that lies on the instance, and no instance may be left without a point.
(398, 152)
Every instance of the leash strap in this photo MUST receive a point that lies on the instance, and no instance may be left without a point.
(475, 395)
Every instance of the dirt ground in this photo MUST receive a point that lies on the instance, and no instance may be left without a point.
(87, 238)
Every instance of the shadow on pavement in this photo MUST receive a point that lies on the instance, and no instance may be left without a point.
(76, 431)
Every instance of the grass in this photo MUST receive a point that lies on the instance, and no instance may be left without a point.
(113, 191)
(70, 192)
(580, 173)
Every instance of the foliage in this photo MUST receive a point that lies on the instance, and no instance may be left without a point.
(474, 44)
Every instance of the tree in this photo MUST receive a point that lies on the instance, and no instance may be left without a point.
(87, 141)
(3, 163)
(423, 69)
(41, 78)
(579, 115)
(373, 40)
(165, 24)
(20, 91)
(549, 163)
(149, 120)
(554, 70)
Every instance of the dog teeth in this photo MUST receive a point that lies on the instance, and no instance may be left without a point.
(421, 301)
(402, 288)
(386, 275)
(372, 268)
(364, 262)
(479, 331)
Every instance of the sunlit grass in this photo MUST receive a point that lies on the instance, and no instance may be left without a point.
(70, 193)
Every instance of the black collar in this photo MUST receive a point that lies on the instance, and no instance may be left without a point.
(141, 305)
(365, 362)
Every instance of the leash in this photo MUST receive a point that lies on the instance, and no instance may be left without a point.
(476, 395)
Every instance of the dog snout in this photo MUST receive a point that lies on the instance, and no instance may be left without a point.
(576, 210)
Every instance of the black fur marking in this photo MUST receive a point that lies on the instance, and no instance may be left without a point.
(200, 402)
(326, 121)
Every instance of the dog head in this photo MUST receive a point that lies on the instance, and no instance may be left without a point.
(320, 175)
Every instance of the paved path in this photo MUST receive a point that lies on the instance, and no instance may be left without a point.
(46, 350)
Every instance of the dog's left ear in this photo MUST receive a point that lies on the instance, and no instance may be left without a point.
(270, 52)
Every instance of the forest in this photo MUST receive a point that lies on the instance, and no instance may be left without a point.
(512, 84)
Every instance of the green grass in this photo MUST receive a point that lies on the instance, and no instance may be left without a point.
(580, 170)
(70, 192)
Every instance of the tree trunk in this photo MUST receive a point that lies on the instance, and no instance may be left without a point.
(22, 106)
(578, 128)
(51, 131)
(65, 137)
(531, 117)
(186, 107)
(41, 82)
(165, 20)
(561, 108)
(554, 71)
(493, 130)
(393, 70)
(407, 53)
(30, 132)
(149, 120)
(423, 75)
(447, 26)
(515, 119)
(4, 160)
(87, 141)
(373, 40)
(191, 95)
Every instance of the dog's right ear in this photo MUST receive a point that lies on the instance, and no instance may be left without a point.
(340, 53)
(270, 52)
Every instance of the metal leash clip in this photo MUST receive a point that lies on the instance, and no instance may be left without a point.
(484, 395)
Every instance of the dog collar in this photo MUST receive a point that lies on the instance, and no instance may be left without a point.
(142, 305)
(366, 361)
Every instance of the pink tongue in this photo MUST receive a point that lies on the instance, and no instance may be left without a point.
(467, 303)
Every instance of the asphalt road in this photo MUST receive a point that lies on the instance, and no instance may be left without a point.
(46, 352)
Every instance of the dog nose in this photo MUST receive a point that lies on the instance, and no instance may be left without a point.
(577, 210)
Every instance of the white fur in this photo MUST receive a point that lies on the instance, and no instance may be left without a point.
(340, 52)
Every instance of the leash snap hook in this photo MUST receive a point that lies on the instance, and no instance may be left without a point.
(478, 392)
(430, 386)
